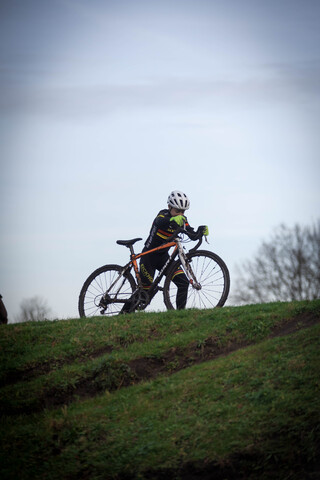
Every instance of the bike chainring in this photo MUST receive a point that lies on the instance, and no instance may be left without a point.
(139, 301)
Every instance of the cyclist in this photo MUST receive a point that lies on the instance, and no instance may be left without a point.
(163, 226)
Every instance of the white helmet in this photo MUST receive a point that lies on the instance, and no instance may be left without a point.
(178, 200)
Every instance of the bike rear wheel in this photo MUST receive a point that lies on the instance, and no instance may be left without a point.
(96, 286)
(211, 273)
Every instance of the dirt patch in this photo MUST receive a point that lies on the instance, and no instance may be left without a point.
(197, 352)
(304, 320)
(45, 367)
(116, 376)
(111, 375)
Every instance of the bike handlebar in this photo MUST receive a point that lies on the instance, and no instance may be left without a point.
(198, 235)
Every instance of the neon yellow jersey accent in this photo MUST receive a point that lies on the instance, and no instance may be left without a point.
(146, 273)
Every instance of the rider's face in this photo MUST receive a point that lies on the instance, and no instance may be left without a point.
(175, 211)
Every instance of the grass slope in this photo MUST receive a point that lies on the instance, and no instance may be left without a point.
(225, 393)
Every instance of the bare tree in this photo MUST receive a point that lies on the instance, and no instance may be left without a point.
(285, 268)
(33, 309)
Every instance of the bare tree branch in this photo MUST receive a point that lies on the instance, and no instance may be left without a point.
(33, 309)
(285, 268)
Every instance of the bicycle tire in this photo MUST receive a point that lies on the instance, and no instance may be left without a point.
(97, 284)
(213, 275)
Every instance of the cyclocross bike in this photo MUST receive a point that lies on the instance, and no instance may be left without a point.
(113, 289)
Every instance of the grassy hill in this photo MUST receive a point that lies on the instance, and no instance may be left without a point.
(228, 393)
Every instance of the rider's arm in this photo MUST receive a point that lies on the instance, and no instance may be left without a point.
(188, 227)
(202, 230)
(162, 220)
(181, 221)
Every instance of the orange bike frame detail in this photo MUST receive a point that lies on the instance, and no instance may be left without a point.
(135, 257)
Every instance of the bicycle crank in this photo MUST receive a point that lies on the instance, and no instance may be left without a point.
(139, 300)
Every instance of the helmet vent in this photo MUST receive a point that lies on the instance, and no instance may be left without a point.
(178, 200)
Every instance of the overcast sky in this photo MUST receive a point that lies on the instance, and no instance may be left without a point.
(107, 106)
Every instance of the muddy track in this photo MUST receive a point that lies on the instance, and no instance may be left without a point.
(45, 367)
(148, 368)
(116, 375)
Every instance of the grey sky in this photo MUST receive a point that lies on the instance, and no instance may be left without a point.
(106, 106)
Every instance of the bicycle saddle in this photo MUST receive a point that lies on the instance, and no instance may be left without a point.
(128, 243)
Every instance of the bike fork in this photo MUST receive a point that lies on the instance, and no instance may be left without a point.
(188, 270)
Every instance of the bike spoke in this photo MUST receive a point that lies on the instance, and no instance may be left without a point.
(210, 272)
(105, 292)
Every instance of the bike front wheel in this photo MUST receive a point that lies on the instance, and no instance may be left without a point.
(212, 285)
(105, 292)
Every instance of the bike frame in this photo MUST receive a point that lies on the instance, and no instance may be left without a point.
(178, 250)
(134, 264)
(135, 257)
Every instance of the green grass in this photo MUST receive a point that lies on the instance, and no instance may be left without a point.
(251, 413)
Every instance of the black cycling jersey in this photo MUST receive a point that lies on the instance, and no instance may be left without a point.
(162, 228)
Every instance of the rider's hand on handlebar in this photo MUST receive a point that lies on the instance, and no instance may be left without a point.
(205, 230)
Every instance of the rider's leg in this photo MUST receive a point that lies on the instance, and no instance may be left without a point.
(146, 274)
(180, 280)
(147, 270)
(157, 261)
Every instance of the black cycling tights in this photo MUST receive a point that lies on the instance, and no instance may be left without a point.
(181, 281)
(155, 261)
